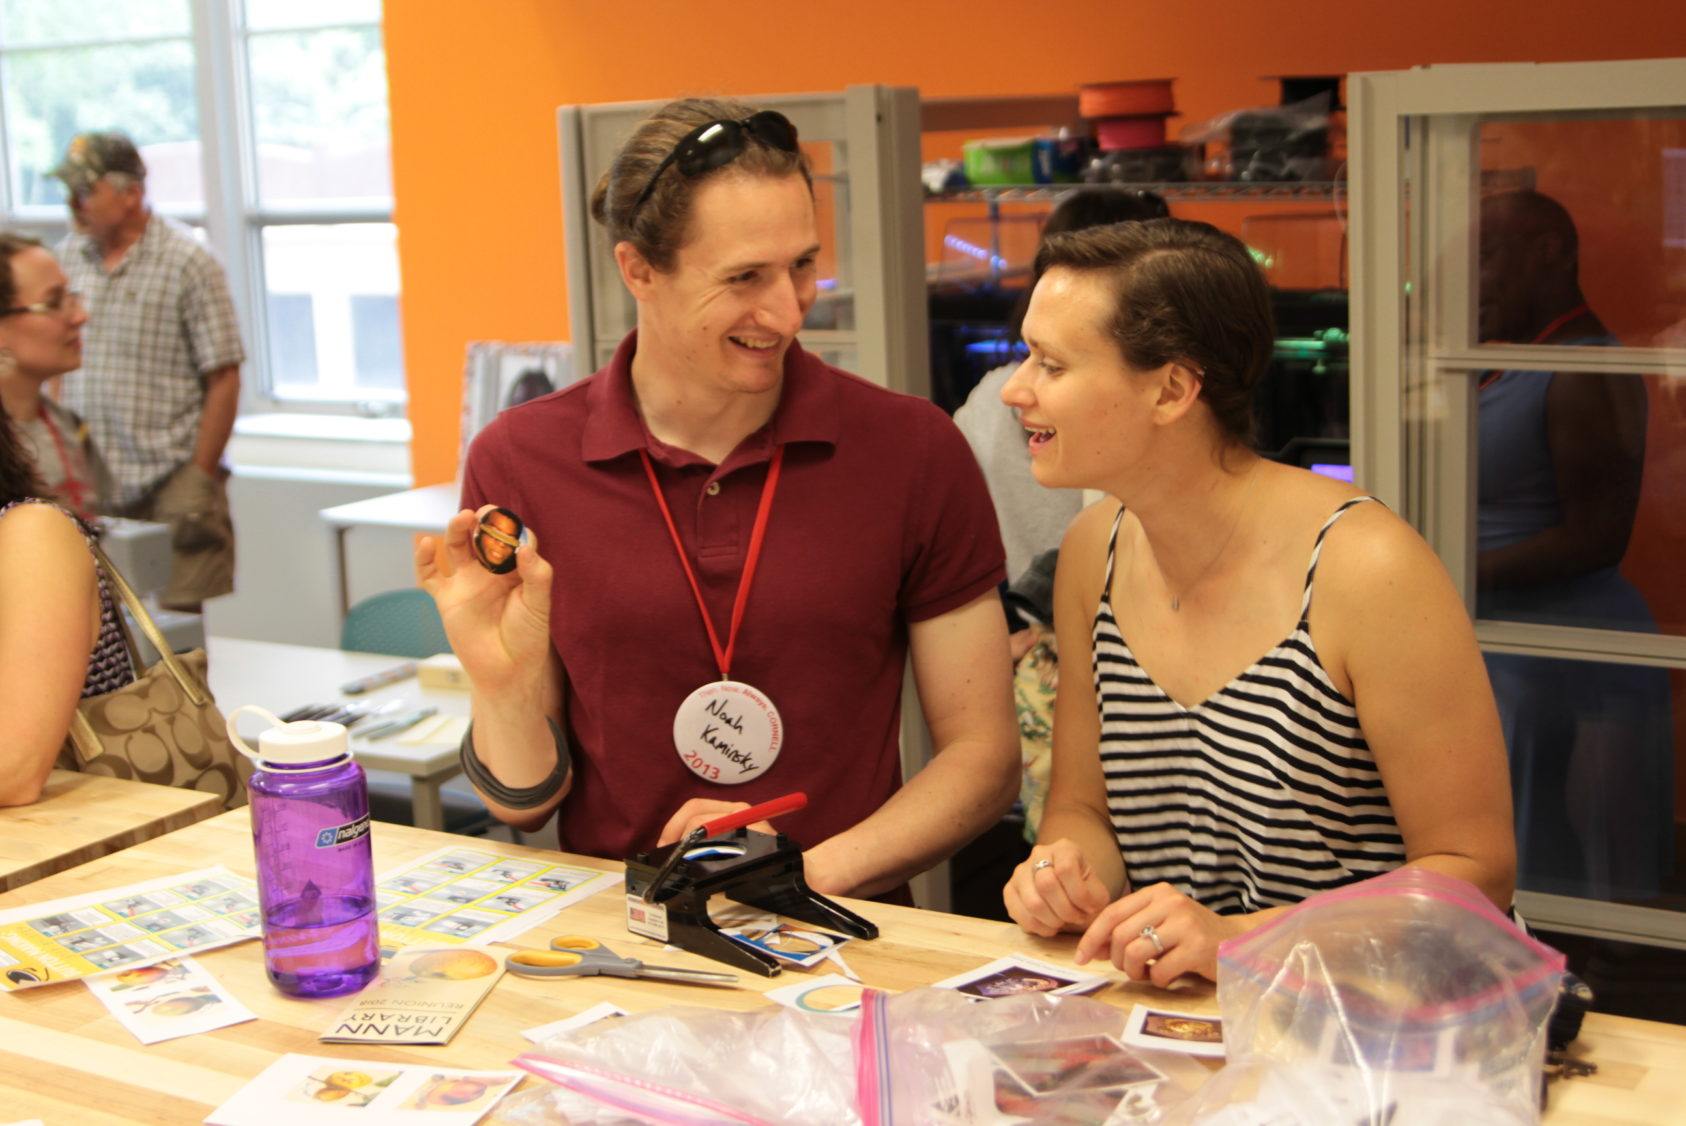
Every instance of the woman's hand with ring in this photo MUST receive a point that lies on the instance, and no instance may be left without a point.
(1158, 934)
(1055, 890)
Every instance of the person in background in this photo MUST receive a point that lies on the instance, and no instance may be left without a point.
(1033, 518)
(59, 634)
(160, 378)
(710, 450)
(1560, 470)
(1287, 694)
(41, 339)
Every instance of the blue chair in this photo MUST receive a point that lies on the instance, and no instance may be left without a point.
(406, 623)
(401, 622)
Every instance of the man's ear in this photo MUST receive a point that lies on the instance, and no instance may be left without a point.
(1179, 390)
(636, 271)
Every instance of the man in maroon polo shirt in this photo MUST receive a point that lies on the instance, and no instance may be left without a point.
(733, 548)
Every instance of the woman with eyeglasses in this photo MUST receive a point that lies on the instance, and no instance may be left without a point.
(1285, 694)
(40, 340)
(59, 636)
(733, 548)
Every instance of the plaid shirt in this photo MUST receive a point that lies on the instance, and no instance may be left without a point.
(157, 324)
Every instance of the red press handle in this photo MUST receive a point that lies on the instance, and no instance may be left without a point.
(767, 810)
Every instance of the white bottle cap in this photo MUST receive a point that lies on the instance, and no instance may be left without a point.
(291, 744)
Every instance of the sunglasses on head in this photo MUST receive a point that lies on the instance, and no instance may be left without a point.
(715, 144)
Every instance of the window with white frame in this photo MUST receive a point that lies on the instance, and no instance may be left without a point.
(263, 123)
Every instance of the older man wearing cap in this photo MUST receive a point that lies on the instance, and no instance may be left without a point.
(160, 378)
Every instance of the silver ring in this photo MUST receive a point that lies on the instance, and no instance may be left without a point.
(1041, 864)
(1153, 936)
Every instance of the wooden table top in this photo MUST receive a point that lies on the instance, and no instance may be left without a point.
(81, 817)
(64, 1059)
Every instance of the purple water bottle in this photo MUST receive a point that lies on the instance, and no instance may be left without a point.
(316, 877)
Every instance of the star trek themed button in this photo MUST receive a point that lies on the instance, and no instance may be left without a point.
(496, 539)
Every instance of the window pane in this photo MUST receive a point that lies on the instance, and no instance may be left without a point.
(374, 331)
(345, 278)
(319, 116)
(1593, 753)
(292, 338)
(41, 21)
(1581, 500)
(1613, 217)
(270, 14)
(147, 91)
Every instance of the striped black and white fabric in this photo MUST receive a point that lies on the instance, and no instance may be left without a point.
(157, 325)
(1259, 795)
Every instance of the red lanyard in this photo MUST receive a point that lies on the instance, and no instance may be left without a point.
(1544, 334)
(723, 657)
(73, 487)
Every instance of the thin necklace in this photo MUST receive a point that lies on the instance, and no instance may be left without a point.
(1240, 508)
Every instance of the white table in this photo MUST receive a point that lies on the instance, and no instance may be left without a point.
(417, 510)
(283, 677)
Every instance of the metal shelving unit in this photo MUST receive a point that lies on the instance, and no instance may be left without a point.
(1186, 190)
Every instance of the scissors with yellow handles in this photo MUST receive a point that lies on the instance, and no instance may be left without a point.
(574, 955)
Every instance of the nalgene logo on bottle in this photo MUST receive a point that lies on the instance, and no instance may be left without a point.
(343, 834)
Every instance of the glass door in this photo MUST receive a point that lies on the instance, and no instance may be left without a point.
(1519, 303)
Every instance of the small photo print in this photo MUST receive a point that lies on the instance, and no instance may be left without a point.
(167, 1000)
(55, 925)
(514, 900)
(512, 871)
(158, 975)
(347, 1087)
(84, 941)
(457, 1092)
(133, 905)
(199, 889)
(227, 904)
(1196, 1034)
(410, 885)
(195, 935)
(560, 880)
(1016, 974)
(115, 956)
(1082, 1063)
(463, 924)
(457, 863)
(406, 915)
(167, 920)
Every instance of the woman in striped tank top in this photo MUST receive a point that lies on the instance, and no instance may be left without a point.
(1286, 691)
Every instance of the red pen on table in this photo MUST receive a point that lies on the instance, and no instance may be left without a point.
(764, 811)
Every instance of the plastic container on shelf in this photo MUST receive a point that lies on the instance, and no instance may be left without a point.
(1126, 99)
(1003, 160)
(1140, 131)
(1164, 165)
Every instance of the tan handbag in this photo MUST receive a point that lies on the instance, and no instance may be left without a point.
(164, 727)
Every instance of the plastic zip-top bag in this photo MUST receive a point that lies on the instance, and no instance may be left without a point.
(696, 1067)
(1405, 999)
(929, 1057)
(935, 1057)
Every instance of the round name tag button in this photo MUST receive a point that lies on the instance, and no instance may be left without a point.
(727, 732)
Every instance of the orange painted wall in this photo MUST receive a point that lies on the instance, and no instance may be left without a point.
(474, 88)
